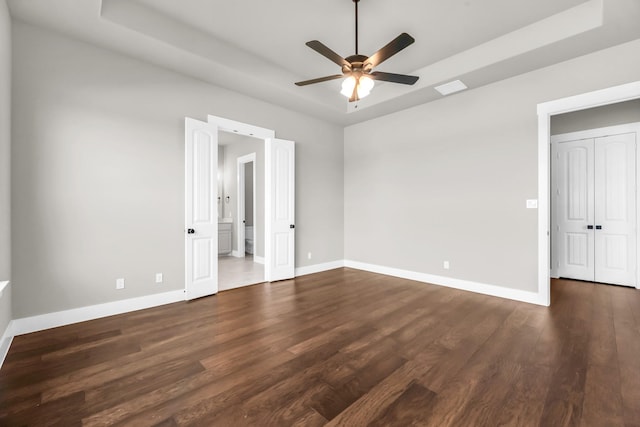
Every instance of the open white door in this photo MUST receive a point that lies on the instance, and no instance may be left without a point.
(280, 209)
(201, 217)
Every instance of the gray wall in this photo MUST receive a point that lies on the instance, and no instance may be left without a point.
(593, 118)
(5, 164)
(449, 180)
(98, 172)
(241, 146)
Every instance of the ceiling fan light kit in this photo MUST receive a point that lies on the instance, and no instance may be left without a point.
(357, 69)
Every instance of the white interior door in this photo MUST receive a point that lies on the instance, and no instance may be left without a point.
(573, 178)
(201, 216)
(280, 209)
(615, 209)
(595, 209)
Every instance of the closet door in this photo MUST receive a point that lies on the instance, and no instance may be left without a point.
(615, 209)
(574, 178)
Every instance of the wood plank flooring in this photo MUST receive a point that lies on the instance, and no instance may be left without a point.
(339, 348)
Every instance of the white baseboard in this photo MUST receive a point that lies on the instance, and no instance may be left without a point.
(258, 259)
(51, 320)
(318, 268)
(60, 318)
(465, 285)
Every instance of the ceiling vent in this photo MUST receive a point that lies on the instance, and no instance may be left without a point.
(451, 87)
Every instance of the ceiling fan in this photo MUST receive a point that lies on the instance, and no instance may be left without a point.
(358, 68)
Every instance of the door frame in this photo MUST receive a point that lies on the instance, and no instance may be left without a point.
(595, 133)
(241, 163)
(545, 110)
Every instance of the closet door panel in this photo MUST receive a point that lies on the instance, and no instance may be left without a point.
(574, 205)
(615, 209)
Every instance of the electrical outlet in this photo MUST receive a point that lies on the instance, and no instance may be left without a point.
(309, 255)
(158, 277)
(119, 283)
(445, 265)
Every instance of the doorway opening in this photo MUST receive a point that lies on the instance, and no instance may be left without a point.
(546, 110)
(593, 200)
(209, 228)
(242, 186)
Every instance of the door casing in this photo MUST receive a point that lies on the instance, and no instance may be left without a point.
(598, 98)
(227, 125)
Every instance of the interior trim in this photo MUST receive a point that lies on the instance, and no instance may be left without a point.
(319, 268)
(41, 322)
(612, 95)
(450, 282)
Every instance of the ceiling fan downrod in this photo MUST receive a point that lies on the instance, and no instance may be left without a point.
(356, 2)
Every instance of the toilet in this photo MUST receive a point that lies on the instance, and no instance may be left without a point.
(248, 239)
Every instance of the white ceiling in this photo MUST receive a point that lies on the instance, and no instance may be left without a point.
(258, 47)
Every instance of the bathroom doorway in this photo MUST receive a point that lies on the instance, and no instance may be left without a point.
(241, 180)
(203, 197)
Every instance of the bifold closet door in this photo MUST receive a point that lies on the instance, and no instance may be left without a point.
(615, 209)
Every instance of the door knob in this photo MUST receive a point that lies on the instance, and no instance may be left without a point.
(190, 231)
(589, 227)
(598, 227)
(292, 226)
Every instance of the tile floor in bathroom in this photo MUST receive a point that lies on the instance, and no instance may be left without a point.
(235, 272)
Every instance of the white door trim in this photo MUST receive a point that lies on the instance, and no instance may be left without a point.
(240, 128)
(241, 163)
(584, 101)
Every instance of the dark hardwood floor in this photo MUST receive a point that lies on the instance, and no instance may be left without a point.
(343, 348)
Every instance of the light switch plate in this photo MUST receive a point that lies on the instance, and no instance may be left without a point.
(532, 204)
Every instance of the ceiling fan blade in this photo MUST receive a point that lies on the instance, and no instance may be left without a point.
(327, 53)
(394, 78)
(393, 47)
(354, 95)
(319, 80)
